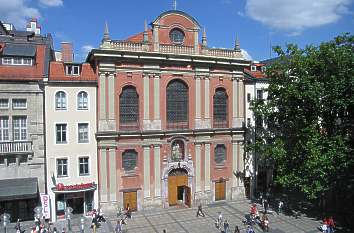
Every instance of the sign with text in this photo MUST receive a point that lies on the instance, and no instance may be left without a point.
(45, 205)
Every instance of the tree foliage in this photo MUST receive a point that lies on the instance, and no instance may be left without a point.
(309, 117)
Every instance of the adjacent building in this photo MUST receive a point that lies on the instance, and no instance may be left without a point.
(171, 116)
(257, 173)
(24, 63)
(71, 148)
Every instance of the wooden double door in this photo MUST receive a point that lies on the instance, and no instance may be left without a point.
(130, 198)
(178, 190)
(220, 188)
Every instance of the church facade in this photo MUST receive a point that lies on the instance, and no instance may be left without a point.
(170, 117)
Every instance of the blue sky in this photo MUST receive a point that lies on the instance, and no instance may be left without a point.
(257, 23)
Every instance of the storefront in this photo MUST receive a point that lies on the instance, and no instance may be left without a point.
(18, 197)
(80, 197)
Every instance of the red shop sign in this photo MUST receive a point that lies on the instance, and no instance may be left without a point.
(62, 187)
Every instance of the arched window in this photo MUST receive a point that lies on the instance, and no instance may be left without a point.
(82, 100)
(177, 36)
(220, 154)
(129, 159)
(177, 105)
(220, 108)
(60, 100)
(129, 109)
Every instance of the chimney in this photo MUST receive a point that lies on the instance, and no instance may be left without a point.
(67, 52)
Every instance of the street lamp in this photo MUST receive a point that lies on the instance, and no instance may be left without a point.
(82, 221)
(68, 211)
(5, 218)
(38, 215)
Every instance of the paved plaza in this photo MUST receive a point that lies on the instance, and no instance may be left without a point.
(185, 220)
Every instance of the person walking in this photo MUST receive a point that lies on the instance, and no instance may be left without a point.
(331, 224)
(249, 229)
(237, 230)
(200, 210)
(280, 206)
(219, 220)
(118, 228)
(226, 226)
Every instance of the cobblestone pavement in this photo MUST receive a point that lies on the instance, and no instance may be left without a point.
(184, 220)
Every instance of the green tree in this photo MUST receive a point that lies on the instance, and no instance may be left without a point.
(309, 117)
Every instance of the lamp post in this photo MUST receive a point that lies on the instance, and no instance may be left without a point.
(68, 214)
(5, 219)
(38, 215)
(82, 225)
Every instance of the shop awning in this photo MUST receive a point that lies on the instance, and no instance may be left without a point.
(21, 188)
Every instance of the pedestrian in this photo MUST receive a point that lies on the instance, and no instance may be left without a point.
(331, 224)
(118, 228)
(237, 230)
(226, 226)
(64, 230)
(18, 226)
(324, 227)
(249, 229)
(128, 212)
(33, 230)
(265, 206)
(219, 220)
(280, 206)
(55, 230)
(200, 210)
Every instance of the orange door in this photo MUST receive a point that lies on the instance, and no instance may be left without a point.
(172, 190)
(220, 188)
(130, 198)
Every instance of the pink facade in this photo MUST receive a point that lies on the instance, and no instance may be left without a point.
(170, 117)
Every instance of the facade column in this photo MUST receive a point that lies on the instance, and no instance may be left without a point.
(207, 167)
(207, 123)
(146, 88)
(157, 120)
(103, 175)
(197, 166)
(102, 97)
(146, 171)
(198, 124)
(237, 102)
(112, 175)
(157, 172)
(234, 163)
(111, 97)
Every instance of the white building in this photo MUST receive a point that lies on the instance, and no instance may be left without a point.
(257, 177)
(71, 148)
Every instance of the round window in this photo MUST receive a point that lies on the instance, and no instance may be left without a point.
(176, 36)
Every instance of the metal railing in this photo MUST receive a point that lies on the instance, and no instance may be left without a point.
(11, 147)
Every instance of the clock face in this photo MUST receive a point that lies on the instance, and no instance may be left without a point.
(176, 36)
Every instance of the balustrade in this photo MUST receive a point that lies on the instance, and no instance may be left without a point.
(10, 147)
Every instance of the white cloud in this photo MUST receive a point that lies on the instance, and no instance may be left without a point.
(295, 16)
(17, 12)
(86, 48)
(51, 2)
(246, 55)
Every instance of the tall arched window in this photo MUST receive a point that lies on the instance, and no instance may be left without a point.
(82, 100)
(220, 108)
(129, 109)
(129, 158)
(60, 100)
(177, 105)
(220, 154)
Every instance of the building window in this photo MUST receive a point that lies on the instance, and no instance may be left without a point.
(60, 133)
(4, 103)
(129, 159)
(24, 61)
(72, 70)
(248, 97)
(177, 36)
(82, 100)
(220, 108)
(83, 132)
(62, 167)
(84, 166)
(253, 68)
(20, 128)
(4, 128)
(60, 100)
(177, 105)
(19, 103)
(129, 109)
(260, 94)
(220, 154)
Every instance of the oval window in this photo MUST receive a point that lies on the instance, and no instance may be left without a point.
(176, 36)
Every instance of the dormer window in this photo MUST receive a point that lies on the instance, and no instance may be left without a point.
(72, 70)
(253, 68)
(177, 36)
(17, 61)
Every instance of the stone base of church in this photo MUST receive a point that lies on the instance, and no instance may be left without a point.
(238, 193)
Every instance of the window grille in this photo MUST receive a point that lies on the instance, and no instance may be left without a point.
(220, 154)
(129, 109)
(84, 166)
(20, 128)
(60, 100)
(220, 108)
(177, 105)
(4, 128)
(82, 100)
(83, 133)
(61, 133)
(62, 167)
(129, 160)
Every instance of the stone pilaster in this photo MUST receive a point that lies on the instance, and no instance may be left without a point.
(157, 172)
(207, 167)
(198, 167)
(146, 171)
(146, 88)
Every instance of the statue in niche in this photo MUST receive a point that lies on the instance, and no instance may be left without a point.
(177, 153)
